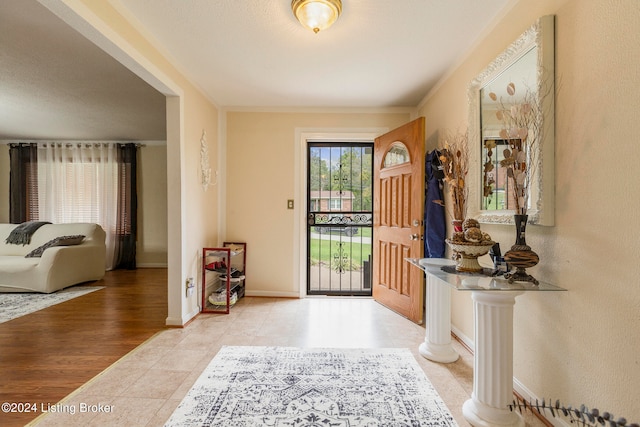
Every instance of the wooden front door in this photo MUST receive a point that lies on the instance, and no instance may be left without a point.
(398, 212)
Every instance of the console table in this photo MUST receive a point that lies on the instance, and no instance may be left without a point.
(493, 302)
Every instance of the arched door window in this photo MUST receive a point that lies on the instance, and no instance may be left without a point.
(397, 155)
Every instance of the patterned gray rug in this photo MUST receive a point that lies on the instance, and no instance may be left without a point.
(13, 305)
(294, 387)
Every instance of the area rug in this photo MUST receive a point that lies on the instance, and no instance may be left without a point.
(13, 305)
(294, 387)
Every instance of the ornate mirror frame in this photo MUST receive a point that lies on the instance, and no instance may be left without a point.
(540, 35)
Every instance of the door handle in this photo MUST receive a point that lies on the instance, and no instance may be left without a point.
(416, 236)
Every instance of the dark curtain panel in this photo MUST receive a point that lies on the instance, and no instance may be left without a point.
(126, 227)
(23, 183)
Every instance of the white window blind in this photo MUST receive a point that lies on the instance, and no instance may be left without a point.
(79, 183)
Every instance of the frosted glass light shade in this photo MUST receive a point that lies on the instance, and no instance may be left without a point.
(316, 15)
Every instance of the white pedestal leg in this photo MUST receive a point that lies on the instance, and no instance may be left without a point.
(493, 361)
(437, 341)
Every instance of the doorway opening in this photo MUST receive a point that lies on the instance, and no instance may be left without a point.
(339, 218)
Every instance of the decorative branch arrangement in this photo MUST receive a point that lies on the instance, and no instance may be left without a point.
(454, 158)
(582, 416)
(522, 127)
(488, 180)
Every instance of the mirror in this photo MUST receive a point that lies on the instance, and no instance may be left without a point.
(528, 63)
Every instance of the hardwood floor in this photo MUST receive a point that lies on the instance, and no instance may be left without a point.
(48, 354)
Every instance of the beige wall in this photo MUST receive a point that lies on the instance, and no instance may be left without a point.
(261, 176)
(152, 206)
(580, 346)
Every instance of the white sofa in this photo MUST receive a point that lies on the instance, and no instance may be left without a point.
(59, 266)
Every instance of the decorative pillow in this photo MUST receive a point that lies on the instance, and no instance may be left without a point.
(58, 241)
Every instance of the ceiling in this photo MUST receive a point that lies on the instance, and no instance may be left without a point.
(240, 53)
(56, 84)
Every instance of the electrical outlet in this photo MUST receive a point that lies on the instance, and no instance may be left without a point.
(190, 286)
(290, 204)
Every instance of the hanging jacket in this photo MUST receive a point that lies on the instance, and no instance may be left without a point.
(434, 216)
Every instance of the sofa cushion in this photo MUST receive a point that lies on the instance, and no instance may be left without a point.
(58, 241)
(15, 264)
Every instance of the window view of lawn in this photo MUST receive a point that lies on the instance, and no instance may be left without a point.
(339, 251)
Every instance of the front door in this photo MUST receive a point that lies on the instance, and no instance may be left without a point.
(398, 212)
(339, 218)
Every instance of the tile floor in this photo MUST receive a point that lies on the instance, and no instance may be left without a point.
(144, 387)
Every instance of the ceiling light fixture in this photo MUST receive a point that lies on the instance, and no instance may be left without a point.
(316, 15)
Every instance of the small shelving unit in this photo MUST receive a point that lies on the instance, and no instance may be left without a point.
(223, 276)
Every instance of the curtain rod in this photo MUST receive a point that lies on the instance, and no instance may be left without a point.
(71, 144)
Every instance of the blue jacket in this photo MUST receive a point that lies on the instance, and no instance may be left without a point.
(434, 216)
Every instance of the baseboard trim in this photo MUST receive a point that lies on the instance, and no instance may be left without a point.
(181, 321)
(463, 339)
(272, 294)
(524, 396)
(173, 321)
(152, 265)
